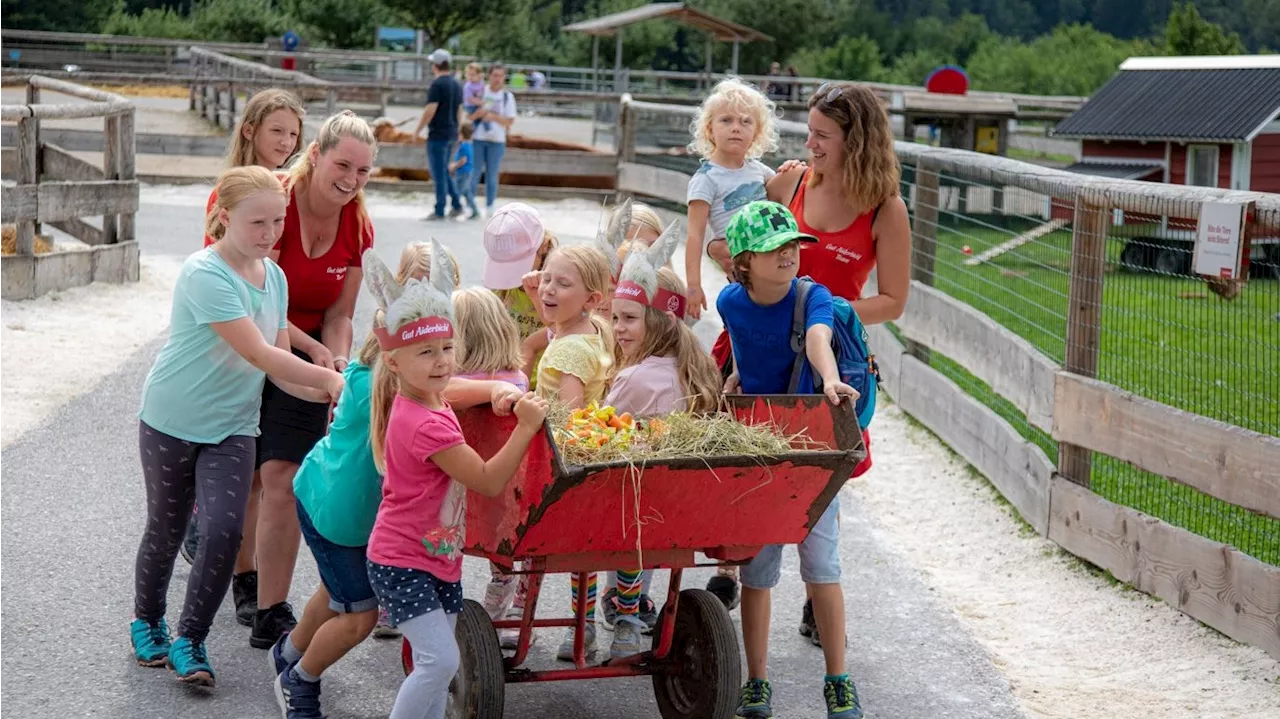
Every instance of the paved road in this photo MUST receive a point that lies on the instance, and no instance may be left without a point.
(72, 514)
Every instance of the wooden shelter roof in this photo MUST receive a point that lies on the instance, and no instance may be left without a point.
(719, 28)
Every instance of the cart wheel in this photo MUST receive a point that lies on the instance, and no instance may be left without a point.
(479, 689)
(705, 646)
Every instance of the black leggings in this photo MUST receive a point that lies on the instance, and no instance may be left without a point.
(177, 473)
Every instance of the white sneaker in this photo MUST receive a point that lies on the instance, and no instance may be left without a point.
(589, 646)
(509, 638)
(627, 639)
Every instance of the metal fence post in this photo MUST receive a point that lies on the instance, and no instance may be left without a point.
(924, 236)
(1084, 312)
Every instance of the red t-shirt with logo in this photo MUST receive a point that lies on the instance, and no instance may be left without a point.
(315, 283)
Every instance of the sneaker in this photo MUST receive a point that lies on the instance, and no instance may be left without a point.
(433, 217)
(455, 213)
(609, 607)
(627, 639)
(384, 629)
(589, 647)
(275, 657)
(244, 591)
(842, 699)
(151, 643)
(809, 627)
(297, 699)
(756, 700)
(191, 542)
(270, 623)
(510, 638)
(473, 215)
(648, 614)
(190, 662)
(499, 594)
(725, 589)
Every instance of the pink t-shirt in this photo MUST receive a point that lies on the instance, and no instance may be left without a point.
(514, 376)
(649, 388)
(422, 521)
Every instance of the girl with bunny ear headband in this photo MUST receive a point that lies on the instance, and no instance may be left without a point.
(415, 550)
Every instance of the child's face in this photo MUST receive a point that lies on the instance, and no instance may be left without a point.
(424, 366)
(776, 267)
(256, 223)
(732, 130)
(564, 296)
(628, 326)
(275, 138)
(473, 74)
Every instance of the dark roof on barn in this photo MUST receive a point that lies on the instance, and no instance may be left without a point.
(722, 29)
(1114, 170)
(1228, 99)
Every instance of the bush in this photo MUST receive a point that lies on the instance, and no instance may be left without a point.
(238, 20)
(153, 22)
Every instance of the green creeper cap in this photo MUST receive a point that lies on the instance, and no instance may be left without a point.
(763, 226)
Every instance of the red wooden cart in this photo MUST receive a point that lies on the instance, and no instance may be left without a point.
(557, 518)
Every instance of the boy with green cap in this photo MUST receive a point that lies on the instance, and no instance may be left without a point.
(757, 310)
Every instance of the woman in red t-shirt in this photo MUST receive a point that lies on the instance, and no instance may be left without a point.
(326, 231)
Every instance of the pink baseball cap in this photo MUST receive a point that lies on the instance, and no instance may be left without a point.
(511, 240)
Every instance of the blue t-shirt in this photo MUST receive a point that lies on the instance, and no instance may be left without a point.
(465, 152)
(338, 483)
(199, 389)
(761, 334)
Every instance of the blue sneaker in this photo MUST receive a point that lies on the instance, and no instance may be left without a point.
(297, 699)
(275, 657)
(842, 698)
(190, 662)
(150, 642)
(756, 701)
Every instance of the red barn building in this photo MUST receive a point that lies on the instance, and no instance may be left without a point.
(1207, 121)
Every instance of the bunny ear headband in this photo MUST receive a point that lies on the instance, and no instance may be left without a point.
(416, 311)
(638, 280)
(611, 238)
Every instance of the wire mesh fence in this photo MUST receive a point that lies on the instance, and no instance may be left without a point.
(1010, 242)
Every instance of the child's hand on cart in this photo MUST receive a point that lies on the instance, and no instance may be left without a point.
(503, 398)
(531, 410)
(837, 389)
(732, 384)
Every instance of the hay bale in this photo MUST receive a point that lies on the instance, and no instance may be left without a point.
(9, 246)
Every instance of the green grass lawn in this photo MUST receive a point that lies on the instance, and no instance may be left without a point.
(1165, 338)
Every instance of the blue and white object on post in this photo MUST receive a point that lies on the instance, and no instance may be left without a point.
(290, 41)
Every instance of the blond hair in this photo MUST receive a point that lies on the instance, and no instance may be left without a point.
(644, 217)
(415, 261)
(870, 172)
(475, 66)
(593, 269)
(256, 111)
(234, 186)
(339, 126)
(665, 336)
(487, 338)
(734, 94)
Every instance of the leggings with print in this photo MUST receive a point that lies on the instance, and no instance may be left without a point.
(177, 473)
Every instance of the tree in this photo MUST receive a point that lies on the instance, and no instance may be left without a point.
(338, 23)
(852, 58)
(237, 20)
(1187, 33)
(56, 15)
(150, 22)
(445, 19)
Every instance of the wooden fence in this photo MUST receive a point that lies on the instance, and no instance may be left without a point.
(218, 79)
(1212, 582)
(55, 187)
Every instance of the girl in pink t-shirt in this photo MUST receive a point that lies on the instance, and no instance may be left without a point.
(415, 550)
(662, 370)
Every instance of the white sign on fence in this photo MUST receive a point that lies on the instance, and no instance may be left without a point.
(1219, 242)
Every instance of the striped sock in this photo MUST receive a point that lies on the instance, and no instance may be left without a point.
(574, 590)
(629, 586)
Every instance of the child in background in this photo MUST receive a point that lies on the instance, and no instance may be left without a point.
(576, 364)
(663, 370)
(646, 226)
(415, 550)
(473, 94)
(460, 172)
(228, 330)
(515, 244)
(338, 489)
(758, 311)
(732, 131)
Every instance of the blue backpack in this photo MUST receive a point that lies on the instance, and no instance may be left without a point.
(857, 365)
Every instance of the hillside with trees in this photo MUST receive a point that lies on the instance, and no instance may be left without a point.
(1066, 47)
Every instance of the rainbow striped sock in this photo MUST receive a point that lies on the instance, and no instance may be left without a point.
(574, 590)
(630, 585)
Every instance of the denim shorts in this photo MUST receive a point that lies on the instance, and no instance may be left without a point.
(343, 570)
(819, 555)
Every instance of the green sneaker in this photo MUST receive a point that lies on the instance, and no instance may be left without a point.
(190, 662)
(150, 642)
(756, 701)
(842, 698)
